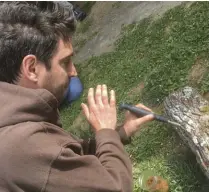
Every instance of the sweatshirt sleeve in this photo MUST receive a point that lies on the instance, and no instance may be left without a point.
(108, 170)
(89, 145)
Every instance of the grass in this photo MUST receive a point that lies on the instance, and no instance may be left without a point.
(158, 54)
(81, 36)
(84, 25)
(84, 32)
(87, 5)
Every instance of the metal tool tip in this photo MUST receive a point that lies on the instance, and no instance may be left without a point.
(174, 123)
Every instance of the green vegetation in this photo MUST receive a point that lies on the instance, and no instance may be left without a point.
(86, 7)
(81, 33)
(152, 59)
(83, 26)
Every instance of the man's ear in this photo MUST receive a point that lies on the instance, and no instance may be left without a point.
(29, 68)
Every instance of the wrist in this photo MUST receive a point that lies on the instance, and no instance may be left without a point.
(123, 135)
(105, 134)
(99, 129)
(127, 130)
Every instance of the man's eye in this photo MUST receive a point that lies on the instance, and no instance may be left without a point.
(66, 63)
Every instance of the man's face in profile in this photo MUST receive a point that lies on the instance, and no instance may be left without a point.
(56, 79)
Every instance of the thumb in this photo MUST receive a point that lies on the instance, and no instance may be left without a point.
(145, 119)
(85, 110)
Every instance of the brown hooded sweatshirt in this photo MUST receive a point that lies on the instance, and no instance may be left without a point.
(37, 155)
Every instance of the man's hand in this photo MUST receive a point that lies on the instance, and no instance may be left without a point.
(100, 113)
(132, 122)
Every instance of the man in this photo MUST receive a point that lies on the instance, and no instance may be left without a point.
(36, 154)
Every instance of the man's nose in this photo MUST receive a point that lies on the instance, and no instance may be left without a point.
(72, 71)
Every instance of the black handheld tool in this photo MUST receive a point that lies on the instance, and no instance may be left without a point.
(141, 112)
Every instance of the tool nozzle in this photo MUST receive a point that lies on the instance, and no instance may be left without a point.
(142, 112)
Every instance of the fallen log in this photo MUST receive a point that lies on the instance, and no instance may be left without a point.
(191, 110)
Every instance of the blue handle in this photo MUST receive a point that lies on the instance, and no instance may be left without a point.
(141, 112)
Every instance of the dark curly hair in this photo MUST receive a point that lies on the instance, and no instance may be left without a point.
(25, 28)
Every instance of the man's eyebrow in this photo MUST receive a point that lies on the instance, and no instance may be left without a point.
(67, 57)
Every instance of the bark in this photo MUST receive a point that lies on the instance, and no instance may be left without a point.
(191, 110)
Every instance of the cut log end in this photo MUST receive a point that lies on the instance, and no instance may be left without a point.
(188, 108)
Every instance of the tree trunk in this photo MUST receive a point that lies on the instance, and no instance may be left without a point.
(188, 108)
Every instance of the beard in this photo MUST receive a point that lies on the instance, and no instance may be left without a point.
(57, 88)
(59, 91)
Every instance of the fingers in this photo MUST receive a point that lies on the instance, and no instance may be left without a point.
(98, 111)
(98, 96)
(91, 101)
(143, 107)
(112, 98)
(85, 110)
(144, 119)
(104, 95)
(101, 97)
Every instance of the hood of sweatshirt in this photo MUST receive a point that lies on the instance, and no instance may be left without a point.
(19, 104)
